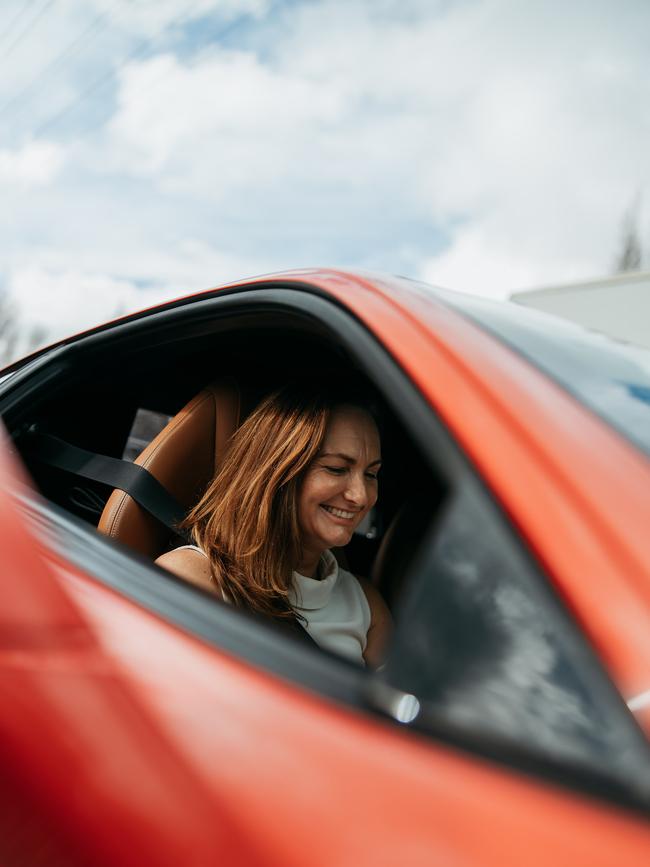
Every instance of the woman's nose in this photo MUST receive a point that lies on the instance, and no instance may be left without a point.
(356, 490)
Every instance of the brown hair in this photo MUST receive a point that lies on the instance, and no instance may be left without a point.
(247, 520)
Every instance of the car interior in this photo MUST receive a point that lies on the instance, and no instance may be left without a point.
(168, 397)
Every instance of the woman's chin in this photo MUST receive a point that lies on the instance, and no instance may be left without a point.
(340, 539)
(325, 537)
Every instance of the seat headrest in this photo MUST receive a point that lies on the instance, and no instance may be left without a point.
(184, 457)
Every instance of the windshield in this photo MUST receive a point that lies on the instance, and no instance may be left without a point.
(609, 377)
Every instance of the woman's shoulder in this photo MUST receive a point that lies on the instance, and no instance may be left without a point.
(190, 563)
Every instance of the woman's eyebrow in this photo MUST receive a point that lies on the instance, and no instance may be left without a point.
(347, 458)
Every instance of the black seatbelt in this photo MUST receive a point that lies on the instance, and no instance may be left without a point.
(131, 478)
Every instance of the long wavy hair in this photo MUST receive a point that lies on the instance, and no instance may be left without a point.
(247, 519)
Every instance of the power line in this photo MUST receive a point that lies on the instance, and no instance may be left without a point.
(139, 51)
(15, 20)
(98, 83)
(24, 32)
(96, 26)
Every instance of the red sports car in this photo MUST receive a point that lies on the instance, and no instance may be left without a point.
(146, 722)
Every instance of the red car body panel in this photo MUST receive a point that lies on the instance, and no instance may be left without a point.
(163, 750)
(336, 787)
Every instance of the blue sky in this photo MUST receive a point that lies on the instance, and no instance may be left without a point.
(152, 147)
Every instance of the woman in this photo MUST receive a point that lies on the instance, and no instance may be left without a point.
(299, 477)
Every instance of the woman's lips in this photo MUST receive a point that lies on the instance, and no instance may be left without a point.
(340, 514)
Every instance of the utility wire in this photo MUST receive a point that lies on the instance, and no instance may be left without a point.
(24, 32)
(139, 51)
(95, 85)
(82, 39)
(6, 33)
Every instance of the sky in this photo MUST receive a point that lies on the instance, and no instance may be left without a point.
(150, 148)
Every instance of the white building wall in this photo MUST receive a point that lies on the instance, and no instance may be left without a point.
(618, 306)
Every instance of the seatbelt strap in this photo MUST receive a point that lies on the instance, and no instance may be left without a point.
(131, 478)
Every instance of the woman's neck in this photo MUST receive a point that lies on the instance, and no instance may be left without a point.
(309, 563)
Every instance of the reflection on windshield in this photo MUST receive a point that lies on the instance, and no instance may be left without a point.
(609, 377)
(640, 392)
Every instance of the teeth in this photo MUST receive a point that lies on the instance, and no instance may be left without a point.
(339, 513)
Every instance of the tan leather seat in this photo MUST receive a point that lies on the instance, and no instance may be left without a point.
(183, 457)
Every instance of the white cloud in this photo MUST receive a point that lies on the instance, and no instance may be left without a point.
(89, 298)
(529, 135)
(34, 164)
(476, 264)
(59, 297)
(222, 123)
(487, 145)
(516, 141)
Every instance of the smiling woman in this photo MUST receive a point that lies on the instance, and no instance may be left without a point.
(340, 486)
(300, 476)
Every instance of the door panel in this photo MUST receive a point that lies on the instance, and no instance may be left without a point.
(309, 781)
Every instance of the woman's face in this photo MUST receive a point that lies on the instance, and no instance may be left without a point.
(340, 486)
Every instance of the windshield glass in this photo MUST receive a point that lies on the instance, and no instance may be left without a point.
(610, 377)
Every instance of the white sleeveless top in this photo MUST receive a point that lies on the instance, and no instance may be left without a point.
(334, 607)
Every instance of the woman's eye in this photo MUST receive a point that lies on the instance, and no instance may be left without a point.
(372, 476)
(337, 471)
